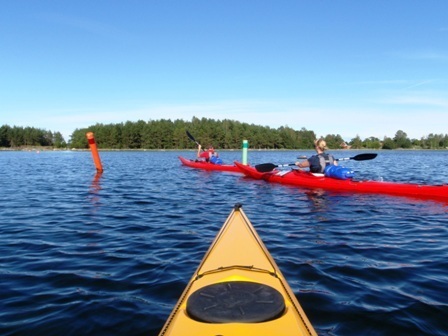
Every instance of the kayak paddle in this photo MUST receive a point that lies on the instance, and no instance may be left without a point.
(192, 138)
(267, 167)
(360, 157)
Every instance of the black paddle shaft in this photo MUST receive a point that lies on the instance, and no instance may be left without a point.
(360, 157)
(267, 167)
(193, 139)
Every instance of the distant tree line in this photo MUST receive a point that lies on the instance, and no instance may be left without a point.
(13, 137)
(222, 134)
(401, 141)
(228, 134)
(167, 134)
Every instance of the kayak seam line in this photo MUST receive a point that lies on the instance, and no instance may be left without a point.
(225, 268)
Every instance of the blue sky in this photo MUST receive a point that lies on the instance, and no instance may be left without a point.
(367, 68)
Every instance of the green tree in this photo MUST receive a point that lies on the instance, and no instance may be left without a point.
(333, 141)
(401, 140)
(131, 134)
(372, 143)
(5, 134)
(58, 140)
(389, 143)
(356, 142)
(78, 139)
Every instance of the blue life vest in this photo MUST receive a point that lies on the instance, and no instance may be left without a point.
(338, 172)
(216, 160)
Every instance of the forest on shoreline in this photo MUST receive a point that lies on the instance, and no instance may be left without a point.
(224, 134)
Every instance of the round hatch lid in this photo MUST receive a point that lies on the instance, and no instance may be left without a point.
(235, 301)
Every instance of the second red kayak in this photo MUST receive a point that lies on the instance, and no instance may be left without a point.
(208, 166)
(307, 180)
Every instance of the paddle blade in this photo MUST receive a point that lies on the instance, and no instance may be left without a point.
(190, 136)
(365, 156)
(265, 167)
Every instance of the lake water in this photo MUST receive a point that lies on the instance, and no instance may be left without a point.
(110, 255)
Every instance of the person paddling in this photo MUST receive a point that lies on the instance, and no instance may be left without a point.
(209, 155)
(319, 161)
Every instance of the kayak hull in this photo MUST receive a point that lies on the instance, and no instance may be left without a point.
(238, 260)
(307, 180)
(208, 166)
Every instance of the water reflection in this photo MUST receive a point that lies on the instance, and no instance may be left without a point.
(94, 190)
(318, 199)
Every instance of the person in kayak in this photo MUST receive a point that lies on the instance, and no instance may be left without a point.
(209, 155)
(319, 161)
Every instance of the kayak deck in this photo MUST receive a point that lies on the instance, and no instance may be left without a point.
(307, 180)
(238, 289)
(208, 166)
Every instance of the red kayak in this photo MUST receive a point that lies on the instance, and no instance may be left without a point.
(208, 166)
(307, 180)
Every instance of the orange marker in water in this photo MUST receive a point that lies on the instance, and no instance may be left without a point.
(94, 150)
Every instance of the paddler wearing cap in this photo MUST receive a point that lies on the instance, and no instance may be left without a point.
(319, 161)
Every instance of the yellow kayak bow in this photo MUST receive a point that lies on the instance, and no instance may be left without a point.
(237, 289)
